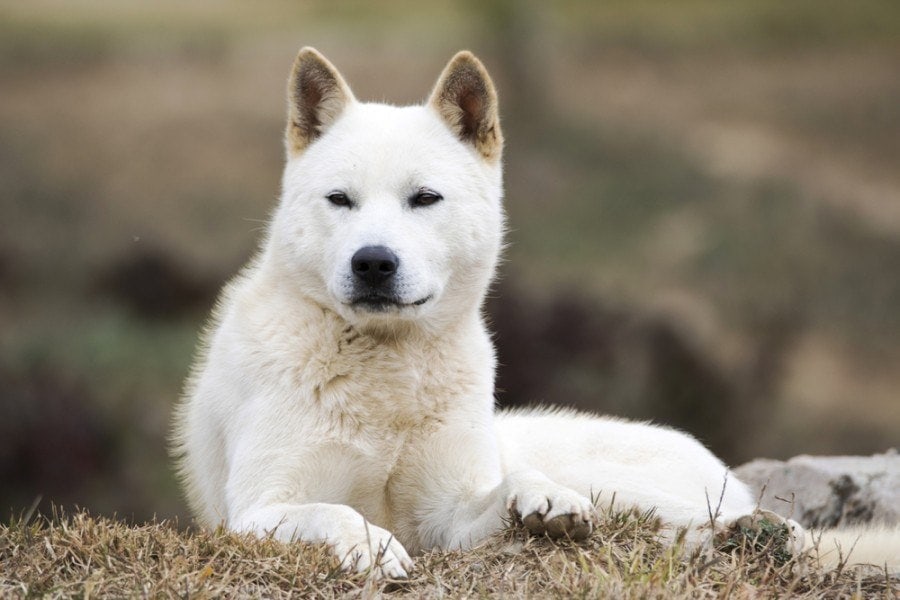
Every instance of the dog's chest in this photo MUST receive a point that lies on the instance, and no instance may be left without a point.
(373, 403)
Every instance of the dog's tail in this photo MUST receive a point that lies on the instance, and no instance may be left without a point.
(862, 545)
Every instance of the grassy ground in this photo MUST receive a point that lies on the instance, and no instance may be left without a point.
(83, 556)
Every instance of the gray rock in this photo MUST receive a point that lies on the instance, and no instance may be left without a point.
(827, 491)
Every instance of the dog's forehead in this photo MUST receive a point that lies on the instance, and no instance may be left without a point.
(374, 119)
(385, 138)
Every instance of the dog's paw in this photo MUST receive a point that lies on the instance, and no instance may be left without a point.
(553, 510)
(375, 551)
(765, 529)
(357, 544)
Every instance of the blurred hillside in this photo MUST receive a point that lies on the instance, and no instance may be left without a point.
(704, 203)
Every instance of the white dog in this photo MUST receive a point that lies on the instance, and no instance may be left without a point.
(344, 393)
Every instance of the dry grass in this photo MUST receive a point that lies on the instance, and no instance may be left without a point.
(80, 555)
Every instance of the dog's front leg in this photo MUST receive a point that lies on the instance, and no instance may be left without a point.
(358, 544)
(453, 492)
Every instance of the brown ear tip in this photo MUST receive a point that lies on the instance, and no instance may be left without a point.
(309, 55)
(466, 57)
(467, 66)
(308, 51)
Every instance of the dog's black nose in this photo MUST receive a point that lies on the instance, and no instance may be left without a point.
(374, 264)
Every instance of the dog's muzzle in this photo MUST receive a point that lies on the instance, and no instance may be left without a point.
(374, 271)
(382, 303)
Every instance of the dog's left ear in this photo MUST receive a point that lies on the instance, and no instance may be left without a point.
(317, 95)
(465, 99)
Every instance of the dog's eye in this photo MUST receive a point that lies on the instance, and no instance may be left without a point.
(340, 199)
(425, 198)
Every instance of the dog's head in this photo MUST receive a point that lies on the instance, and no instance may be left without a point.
(390, 213)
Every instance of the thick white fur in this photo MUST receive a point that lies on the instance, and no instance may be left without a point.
(312, 419)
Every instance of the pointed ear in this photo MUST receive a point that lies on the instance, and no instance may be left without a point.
(317, 95)
(465, 99)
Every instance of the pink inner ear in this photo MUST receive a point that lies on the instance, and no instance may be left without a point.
(472, 105)
(310, 92)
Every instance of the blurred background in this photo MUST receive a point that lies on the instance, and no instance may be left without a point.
(704, 203)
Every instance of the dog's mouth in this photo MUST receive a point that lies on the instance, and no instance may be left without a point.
(384, 303)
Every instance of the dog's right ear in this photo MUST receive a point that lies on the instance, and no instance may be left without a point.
(317, 95)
